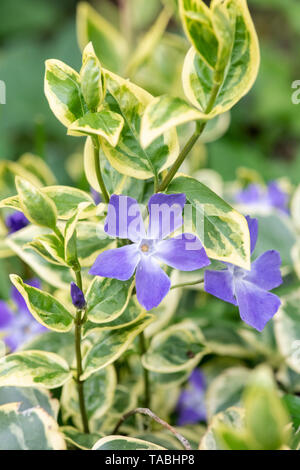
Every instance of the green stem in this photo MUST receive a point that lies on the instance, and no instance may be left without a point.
(79, 368)
(200, 126)
(98, 171)
(147, 396)
(187, 284)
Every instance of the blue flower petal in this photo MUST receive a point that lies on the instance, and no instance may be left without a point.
(184, 252)
(257, 306)
(220, 284)
(6, 315)
(253, 229)
(119, 263)
(265, 271)
(124, 219)
(152, 283)
(165, 214)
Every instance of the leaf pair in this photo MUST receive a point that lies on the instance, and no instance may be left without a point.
(219, 69)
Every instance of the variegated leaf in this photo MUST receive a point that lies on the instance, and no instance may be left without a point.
(45, 308)
(124, 443)
(33, 368)
(223, 231)
(79, 439)
(176, 349)
(162, 114)
(217, 87)
(104, 123)
(63, 92)
(57, 276)
(32, 429)
(65, 198)
(128, 157)
(107, 299)
(91, 78)
(110, 346)
(37, 206)
(129, 315)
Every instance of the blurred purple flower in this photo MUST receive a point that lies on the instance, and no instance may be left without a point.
(271, 197)
(96, 196)
(191, 405)
(249, 289)
(124, 220)
(16, 221)
(77, 296)
(18, 327)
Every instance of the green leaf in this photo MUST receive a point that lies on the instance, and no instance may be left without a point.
(92, 82)
(111, 345)
(37, 206)
(45, 308)
(110, 47)
(124, 443)
(266, 417)
(226, 390)
(128, 157)
(65, 198)
(131, 314)
(217, 87)
(178, 348)
(57, 276)
(31, 429)
(99, 392)
(295, 207)
(292, 403)
(223, 231)
(29, 398)
(107, 299)
(104, 123)
(33, 368)
(79, 439)
(162, 114)
(287, 330)
(63, 92)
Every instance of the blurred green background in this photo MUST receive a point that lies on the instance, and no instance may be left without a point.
(265, 128)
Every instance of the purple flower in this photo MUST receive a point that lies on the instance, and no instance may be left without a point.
(249, 289)
(191, 404)
(272, 197)
(18, 327)
(96, 196)
(77, 296)
(16, 221)
(124, 220)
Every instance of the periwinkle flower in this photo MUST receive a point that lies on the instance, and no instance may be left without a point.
(149, 248)
(18, 327)
(16, 221)
(191, 404)
(271, 197)
(249, 290)
(77, 296)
